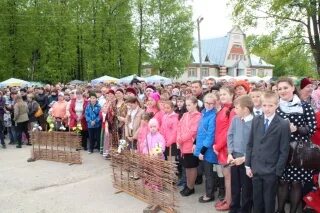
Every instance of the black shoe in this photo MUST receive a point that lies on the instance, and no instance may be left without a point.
(4, 146)
(199, 180)
(29, 144)
(12, 143)
(31, 160)
(201, 200)
(18, 146)
(187, 192)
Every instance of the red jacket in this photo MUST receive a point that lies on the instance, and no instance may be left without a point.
(187, 131)
(223, 122)
(316, 137)
(169, 126)
(73, 115)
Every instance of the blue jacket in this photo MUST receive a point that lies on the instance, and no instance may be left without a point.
(92, 114)
(205, 136)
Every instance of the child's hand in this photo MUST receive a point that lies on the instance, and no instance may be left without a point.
(215, 151)
(200, 156)
(230, 159)
(193, 148)
(238, 161)
(293, 128)
(249, 172)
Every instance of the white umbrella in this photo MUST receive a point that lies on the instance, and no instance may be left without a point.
(266, 78)
(242, 77)
(14, 82)
(158, 79)
(226, 77)
(255, 78)
(128, 79)
(104, 79)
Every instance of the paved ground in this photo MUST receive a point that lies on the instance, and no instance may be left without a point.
(50, 187)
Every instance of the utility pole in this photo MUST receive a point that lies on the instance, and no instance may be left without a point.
(199, 20)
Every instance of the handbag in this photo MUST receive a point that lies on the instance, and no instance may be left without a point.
(38, 113)
(304, 155)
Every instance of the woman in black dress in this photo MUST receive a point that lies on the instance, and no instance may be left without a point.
(302, 125)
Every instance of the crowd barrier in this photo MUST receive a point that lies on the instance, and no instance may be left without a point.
(157, 177)
(56, 146)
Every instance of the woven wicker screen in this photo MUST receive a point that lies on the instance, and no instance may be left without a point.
(56, 146)
(156, 183)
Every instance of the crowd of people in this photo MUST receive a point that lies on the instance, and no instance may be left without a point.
(235, 135)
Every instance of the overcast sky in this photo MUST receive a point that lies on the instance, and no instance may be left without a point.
(217, 20)
(217, 17)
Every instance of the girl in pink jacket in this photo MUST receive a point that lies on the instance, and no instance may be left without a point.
(154, 143)
(186, 134)
(169, 127)
(143, 130)
(153, 105)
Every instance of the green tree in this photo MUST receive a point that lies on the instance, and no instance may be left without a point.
(294, 18)
(172, 36)
(289, 57)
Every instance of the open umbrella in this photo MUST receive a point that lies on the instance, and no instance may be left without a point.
(74, 82)
(158, 79)
(14, 82)
(128, 79)
(104, 79)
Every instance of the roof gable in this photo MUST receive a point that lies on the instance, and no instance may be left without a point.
(215, 49)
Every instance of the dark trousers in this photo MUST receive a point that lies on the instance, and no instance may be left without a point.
(208, 173)
(12, 134)
(1, 130)
(241, 190)
(264, 193)
(22, 128)
(94, 137)
(84, 138)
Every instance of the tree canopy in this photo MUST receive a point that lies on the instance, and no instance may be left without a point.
(289, 57)
(53, 41)
(295, 20)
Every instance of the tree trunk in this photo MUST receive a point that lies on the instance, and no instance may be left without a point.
(140, 38)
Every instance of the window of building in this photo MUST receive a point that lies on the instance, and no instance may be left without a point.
(192, 72)
(205, 72)
(253, 72)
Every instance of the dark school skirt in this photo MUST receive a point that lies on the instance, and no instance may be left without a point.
(189, 161)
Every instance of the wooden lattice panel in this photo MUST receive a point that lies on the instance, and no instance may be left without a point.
(56, 146)
(157, 178)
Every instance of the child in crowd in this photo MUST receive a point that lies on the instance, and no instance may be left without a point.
(143, 130)
(93, 121)
(180, 110)
(154, 106)
(267, 153)
(204, 141)
(154, 146)
(223, 121)
(154, 143)
(255, 94)
(238, 135)
(133, 121)
(168, 129)
(186, 134)
(181, 106)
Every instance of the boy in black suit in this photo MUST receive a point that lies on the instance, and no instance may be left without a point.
(267, 153)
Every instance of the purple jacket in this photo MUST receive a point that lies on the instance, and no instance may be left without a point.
(152, 141)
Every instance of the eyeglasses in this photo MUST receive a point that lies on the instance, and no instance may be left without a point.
(209, 103)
